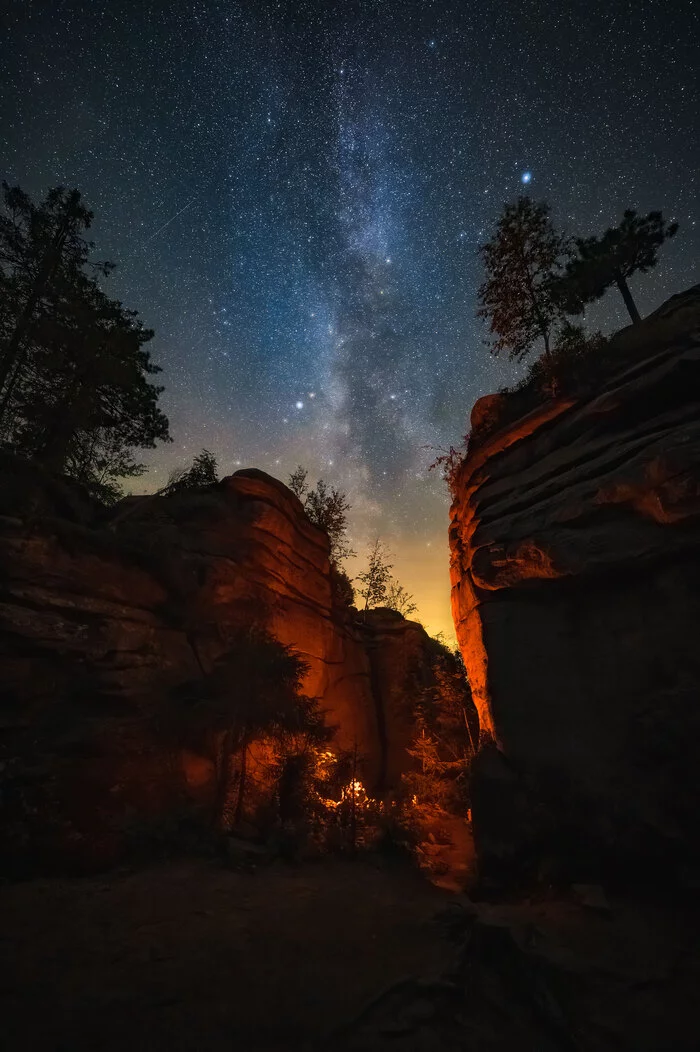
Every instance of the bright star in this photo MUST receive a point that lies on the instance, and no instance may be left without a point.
(526, 177)
(300, 405)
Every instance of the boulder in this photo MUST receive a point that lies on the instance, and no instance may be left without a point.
(575, 564)
(104, 613)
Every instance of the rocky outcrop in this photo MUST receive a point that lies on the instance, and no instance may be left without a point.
(102, 614)
(575, 563)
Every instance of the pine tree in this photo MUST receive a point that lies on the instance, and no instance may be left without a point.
(75, 388)
(612, 259)
(40, 246)
(521, 261)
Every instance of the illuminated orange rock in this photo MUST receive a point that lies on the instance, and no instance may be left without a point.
(108, 612)
(575, 566)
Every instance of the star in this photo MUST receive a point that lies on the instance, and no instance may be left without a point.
(309, 215)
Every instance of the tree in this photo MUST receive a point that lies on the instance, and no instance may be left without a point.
(89, 373)
(446, 736)
(39, 245)
(521, 262)
(297, 482)
(253, 691)
(612, 259)
(376, 578)
(397, 598)
(327, 508)
(202, 472)
(75, 388)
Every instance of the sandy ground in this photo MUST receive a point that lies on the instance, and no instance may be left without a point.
(196, 957)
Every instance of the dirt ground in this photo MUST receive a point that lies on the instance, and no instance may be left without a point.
(197, 957)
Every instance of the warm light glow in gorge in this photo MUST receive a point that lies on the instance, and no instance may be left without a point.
(424, 570)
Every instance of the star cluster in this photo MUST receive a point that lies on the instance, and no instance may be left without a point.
(295, 191)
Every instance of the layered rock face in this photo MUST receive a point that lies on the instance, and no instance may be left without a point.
(575, 541)
(102, 614)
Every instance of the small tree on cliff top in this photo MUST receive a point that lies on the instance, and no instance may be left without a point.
(397, 598)
(327, 508)
(202, 472)
(521, 261)
(297, 482)
(622, 251)
(376, 578)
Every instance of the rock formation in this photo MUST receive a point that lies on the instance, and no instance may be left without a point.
(575, 542)
(102, 613)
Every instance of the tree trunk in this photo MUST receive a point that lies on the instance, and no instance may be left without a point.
(622, 285)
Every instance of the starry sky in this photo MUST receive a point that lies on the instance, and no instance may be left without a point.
(295, 190)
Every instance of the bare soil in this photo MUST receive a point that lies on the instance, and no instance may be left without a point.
(193, 956)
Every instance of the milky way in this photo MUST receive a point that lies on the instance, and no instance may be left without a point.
(294, 194)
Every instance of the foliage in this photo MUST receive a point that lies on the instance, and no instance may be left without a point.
(397, 598)
(297, 482)
(375, 580)
(327, 508)
(445, 740)
(576, 368)
(448, 462)
(630, 247)
(203, 472)
(252, 692)
(521, 262)
(75, 377)
(341, 586)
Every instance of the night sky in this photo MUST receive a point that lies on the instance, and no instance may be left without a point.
(294, 193)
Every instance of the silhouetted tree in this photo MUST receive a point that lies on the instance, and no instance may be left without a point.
(341, 585)
(202, 472)
(89, 374)
(253, 691)
(75, 388)
(612, 259)
(376, 578)
(397, 598)
(40, 247)
(297, 482)
(446, 736)
(521, 261)
(327, 507)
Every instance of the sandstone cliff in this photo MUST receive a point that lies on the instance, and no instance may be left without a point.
(102, 613)
(575, 541)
